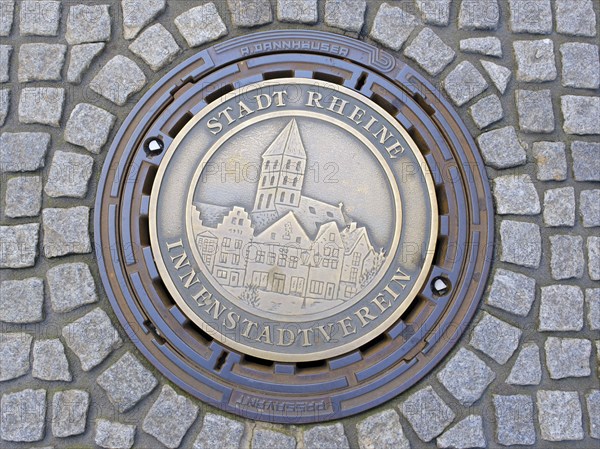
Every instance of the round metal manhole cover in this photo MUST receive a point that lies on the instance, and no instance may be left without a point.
(294, 225)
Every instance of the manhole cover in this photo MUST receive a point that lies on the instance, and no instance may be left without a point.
(294, 226)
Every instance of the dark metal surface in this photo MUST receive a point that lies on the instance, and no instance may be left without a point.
(304, 391)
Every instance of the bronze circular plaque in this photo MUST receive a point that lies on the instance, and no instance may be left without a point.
(293, 220)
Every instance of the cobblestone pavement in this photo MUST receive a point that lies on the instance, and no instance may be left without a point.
(523, 74)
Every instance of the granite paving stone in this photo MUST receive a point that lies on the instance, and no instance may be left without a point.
(71, 286)
(430, 52)
(466, 377)
(19, 245)
(464, 83)
(559, 207)
(580, 65)
(536, 114)
(568, 357)
(592, 400)
(434, 12)
(514, 420)
(92, 338)
(227, 431)
(23, 196)
(15, 350)
(80, 59)
(156, 46)
(535, 60)
(69, 175)
(330, 436)
(41, 62)
(346, 14)
(559, 415)
(4, 106)
(527, 369)
(580, 114)
(50, 361)
(382, 431)
(201, 24)
(118, 80)
(393, 26)
(23, 415)
(5, 53)
(501, 148)
(88, 23)
(66, 231)
(139, 13)
(589, 208)
(7, 9)
(478, 14)
(499, 75)
(39, 17)
(127, 382)
(298, 11)
(495, 338)
(575, 17)
(592, 299)
(43, 105)
(114, 435)
(89, 127)
(22, 301)
(488, 46)
(268, 439)
(516, 194)
(466, 434)
(586, 161)
(170, 417)
(512, 292)
(551, 161)
(69, 412)
(530, 16)
(427, 413)
(486, 111)
(521, 243)
(561, 308)
(251, 13)
(566, 256)
(593, 246)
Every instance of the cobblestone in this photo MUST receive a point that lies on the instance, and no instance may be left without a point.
(586, 161)
(19, 244)
(575, 17)
(559, 415)
(592, 299)
(303, 11)
(467, 434)
(501, 148)
(69, 412)
(495, 338)
(486, 111)
(268, 439)
(499, 75)
(5, 53)
(69, 175)
(434, 12)
(330, 436)
(22, 301)
(382, 431)
(527, 369)
(88, 24)
(561, 308)
(7, 7)
(516, 194)
(118, 80)
(50, 361)
(39, 17)
(170, 417)
(43, 105)
(535, 60)
(250, 14)
(559, 207)
(89, 127)
(80, 59)
(512, 292)
(114, 435)
(345, 14)
(568, 357)
(478, 14)
(156, 46)
(430, 52)
(4, 106)
(201, 24)
(566, 256)
(71, 286)
(393, 26)
(139, 13)
(527, 16)
(488, 46)
(66, 231)
(534, 107)
(464, 83)
(514, 420)
(127, 382)
(593, 406)
(580, 114)
(15, 350)
(589, 208)
(521, 243)
(23, 196)
(551, 161)
(580, 65)
(466, 377)
(23, 415)
(427, 413)
(92, 338)
(593, 246)
(227, 432)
